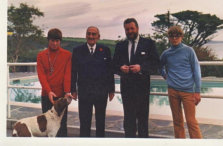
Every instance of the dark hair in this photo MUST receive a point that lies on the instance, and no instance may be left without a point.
(54, 34)
(175, 30)
(129, 20)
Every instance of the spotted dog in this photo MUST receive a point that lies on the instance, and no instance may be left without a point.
(43, 125)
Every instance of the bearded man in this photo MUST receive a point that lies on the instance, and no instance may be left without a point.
(134, 59)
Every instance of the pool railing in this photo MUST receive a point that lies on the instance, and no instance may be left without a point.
(202, 63)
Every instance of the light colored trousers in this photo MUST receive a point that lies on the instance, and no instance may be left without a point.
(187, 99)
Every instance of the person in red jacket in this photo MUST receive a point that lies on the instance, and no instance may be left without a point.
(54, 72)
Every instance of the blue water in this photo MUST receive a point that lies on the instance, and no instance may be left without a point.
(217, 48)
(32, 95)
(210, 109)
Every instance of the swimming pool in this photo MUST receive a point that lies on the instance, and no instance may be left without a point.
(208, 111)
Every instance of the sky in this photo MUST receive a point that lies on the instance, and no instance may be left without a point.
(74, 16)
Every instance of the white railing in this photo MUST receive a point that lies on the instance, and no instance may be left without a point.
(207, 63)
(211, 63)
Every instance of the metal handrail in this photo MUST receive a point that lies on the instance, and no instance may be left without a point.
(118, 92)
(34, 63)
(22, 64)
(24, 87)
(208, 63)
(211, 63)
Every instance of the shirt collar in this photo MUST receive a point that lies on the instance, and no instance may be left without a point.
(89, 47)
(176, 47)
(137, 39)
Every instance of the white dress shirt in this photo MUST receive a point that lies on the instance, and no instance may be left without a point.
(89, 47)
(130, 46)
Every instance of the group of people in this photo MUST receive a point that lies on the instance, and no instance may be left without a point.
(87, 74)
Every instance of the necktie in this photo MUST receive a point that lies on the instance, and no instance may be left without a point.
(91, 51)
(132, 51)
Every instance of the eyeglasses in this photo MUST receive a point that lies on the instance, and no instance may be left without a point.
(175, 36)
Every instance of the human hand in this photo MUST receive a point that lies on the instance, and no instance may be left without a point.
(51, 95)
(111, 96)
(124, 69)
(197, 98)
(69, 97)
(135, 68)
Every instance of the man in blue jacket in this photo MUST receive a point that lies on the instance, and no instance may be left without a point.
(181, 69)
(92, 80)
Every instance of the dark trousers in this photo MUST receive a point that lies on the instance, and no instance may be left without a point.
(85, 116)
(136, 115)
(46, 105)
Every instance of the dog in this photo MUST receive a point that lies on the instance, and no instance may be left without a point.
(44, 125)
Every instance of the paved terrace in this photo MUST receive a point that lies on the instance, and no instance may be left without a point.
(114, 125)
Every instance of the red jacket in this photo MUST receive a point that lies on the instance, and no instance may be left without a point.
(60, 79)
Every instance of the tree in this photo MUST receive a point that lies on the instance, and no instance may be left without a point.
(22, 30)
(199, 28)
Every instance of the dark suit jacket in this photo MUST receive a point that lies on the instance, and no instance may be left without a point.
(92, 74)
(146, 56)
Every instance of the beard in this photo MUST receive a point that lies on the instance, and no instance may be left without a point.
(132, 36)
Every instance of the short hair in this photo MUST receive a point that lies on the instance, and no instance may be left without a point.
(129, 20)
(93, 27)
(54, 34)
(175, 30)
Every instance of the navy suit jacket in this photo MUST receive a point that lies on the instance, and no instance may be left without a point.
(146, 56)
(92, 75)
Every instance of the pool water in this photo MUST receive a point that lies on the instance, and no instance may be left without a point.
(207, 110)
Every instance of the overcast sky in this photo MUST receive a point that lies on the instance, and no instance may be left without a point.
(74, 16)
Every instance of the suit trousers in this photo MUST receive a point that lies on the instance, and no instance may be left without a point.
(85, 116)
(187, 99)
(136, 115)
(46, 105)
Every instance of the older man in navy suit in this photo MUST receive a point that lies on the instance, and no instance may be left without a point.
(92, 80)
(134, 59)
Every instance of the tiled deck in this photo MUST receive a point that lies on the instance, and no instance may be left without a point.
(114, 125)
